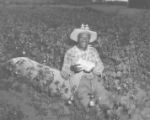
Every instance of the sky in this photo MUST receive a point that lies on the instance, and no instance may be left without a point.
(118, 0)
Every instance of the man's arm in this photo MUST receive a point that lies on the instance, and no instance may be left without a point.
(66, 72)
(98, 70)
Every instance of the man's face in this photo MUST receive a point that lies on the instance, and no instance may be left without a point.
(83, 40)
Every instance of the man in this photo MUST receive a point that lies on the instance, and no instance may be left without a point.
(85, 80)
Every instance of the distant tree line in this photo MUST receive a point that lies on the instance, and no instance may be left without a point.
(139, 4)
(75, 2)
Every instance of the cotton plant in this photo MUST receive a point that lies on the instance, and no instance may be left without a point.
(25, 39)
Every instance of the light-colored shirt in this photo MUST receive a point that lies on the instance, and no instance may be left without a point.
(74, 54)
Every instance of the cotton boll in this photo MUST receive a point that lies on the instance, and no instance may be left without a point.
(86, 65)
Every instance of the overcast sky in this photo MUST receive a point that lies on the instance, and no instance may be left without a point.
(116, 0)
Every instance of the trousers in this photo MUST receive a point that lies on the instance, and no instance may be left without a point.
(87, 84)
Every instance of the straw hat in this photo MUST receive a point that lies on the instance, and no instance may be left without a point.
(83, 29)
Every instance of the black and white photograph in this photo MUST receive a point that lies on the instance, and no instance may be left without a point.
(74, 59)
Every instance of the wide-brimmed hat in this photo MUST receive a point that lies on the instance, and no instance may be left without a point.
(83, 29)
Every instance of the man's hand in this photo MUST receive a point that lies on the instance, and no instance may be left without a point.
(88, 71)
(76, 68)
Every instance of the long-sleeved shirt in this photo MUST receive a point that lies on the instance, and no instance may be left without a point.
(74, 54)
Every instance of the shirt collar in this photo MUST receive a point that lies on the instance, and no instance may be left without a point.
(83, 51)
